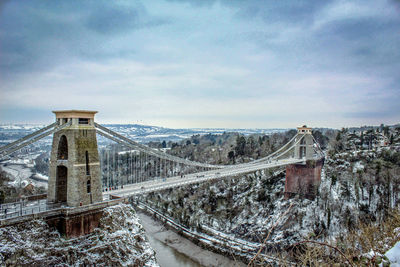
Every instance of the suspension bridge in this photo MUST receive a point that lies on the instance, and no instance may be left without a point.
(77, 179)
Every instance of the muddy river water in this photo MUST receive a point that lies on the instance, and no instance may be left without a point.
(173, 250)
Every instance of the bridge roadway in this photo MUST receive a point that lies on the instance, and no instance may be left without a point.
(24, 208)
(165, 183)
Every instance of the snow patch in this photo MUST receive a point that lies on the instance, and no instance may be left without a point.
(393, 255)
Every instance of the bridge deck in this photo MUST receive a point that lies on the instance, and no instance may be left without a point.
(160, 184)
(17, 209)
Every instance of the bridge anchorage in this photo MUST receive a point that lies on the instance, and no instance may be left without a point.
(75, 191)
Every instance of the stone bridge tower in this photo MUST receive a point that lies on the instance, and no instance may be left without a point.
(303, 179)
(74, 174)
(305, 148)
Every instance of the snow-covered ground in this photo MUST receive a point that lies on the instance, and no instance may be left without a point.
(32, 127)
(22, 175)
(393, 255)
(119, 241)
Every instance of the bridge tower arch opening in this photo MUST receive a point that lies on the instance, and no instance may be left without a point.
(302, 148)
(75, 160)
(62, 152)
(61, 184)
(305, 143)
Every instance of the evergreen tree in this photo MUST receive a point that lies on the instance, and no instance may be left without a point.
(362, 138)
(231, 155)
(338, 136)
(240, 145)
(328, 223)
(2, 197)
(386, 130)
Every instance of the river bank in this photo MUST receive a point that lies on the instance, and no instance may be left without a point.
(184, 252)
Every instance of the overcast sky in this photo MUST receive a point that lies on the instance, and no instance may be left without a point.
(234, 64)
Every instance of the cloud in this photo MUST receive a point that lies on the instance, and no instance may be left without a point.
(52, 32)
(269, 11)
(221, 63)
(111, 19)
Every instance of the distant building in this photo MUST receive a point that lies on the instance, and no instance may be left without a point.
(29, 189)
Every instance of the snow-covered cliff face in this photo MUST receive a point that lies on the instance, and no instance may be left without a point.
(246, 207)
(120, 241)
(356, 187)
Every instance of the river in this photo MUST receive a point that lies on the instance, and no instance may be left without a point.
(173, 250)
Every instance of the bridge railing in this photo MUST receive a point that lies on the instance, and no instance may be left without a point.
(10, 210)
(17, 210)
